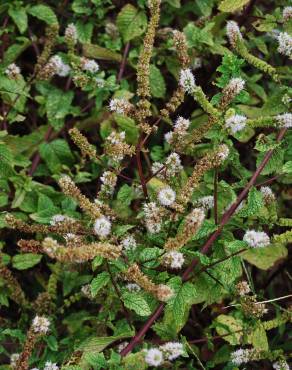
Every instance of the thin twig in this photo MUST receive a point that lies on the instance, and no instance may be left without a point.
(123, 63)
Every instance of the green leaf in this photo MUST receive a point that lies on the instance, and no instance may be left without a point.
(137, 303)
(182, 303)
(56, 154)
(287, 168)
(6, 162)
(254, 204)
(157, 83)
(275, 162)
(99, 282)
(44, 13)
(227, 324)
(98, 52)
(25, 261)
(128, 125)
(265, 258)
(19, 17)
(258, 338)
(131, 22)
(58, 105)
(230, 6)
(125, 194)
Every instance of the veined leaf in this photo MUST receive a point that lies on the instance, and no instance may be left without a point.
(44, 13)
(99, 282)
(131, 22)
(230, 6)
(25, 261)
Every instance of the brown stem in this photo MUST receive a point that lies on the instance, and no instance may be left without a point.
(139, 166)
(126, 312)
(37, 157)
(123, 63)
(216, 196)
(206, 248)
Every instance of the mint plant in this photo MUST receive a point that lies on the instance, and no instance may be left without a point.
(145, 171)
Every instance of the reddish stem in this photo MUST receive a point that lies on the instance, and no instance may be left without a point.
(37, 157)
(206, 248)
(123, 63)
(139, 166)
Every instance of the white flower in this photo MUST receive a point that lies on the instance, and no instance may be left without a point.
(173, 164)
(206, 202)
(40, 324)
(152, 217)
(181, 125)
(223, 152)
(116, 137)
(13, 359)
(242, 288)
(109, 180)
(129, 243)
(89, 65)
(281, 365)
(236, 85)
(235, 123)
(154, 357)
(51, 366)
(56, 219)
(287, 13)
(71, 32)
(267, 193)
(35, 368)
(233, 32)
(61, 69)
(173, 259)
(285, 120)
(168, 137)
(241, 356)
(121, 106)
(166, 196)
(12, 71)
(122, 345)
(132, 287)
(285, 44)
(256, 239)
(172, 350)
(102, 226)
(187, 80)
(86, 290)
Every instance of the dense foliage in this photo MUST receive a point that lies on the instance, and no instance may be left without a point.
(145, 181)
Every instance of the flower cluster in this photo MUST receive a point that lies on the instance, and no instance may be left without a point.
(153, 217)
(120, 106)
(166, 196)
(109, 181)
(242, 288)
(256, 239)
(116, 146)
(267, 194)
(173, 259)
(235, 123)
(187, 80)
(171, 167)
(168, 351)
(241, 356)
(102, 227)
(233, 33)
(41, 325)
(206, 202)
(285, 120)
(129, 243)
(13, 71)
(287, 13)
(71, 33)
(285, 44)
(89, 65)
(281, 365)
